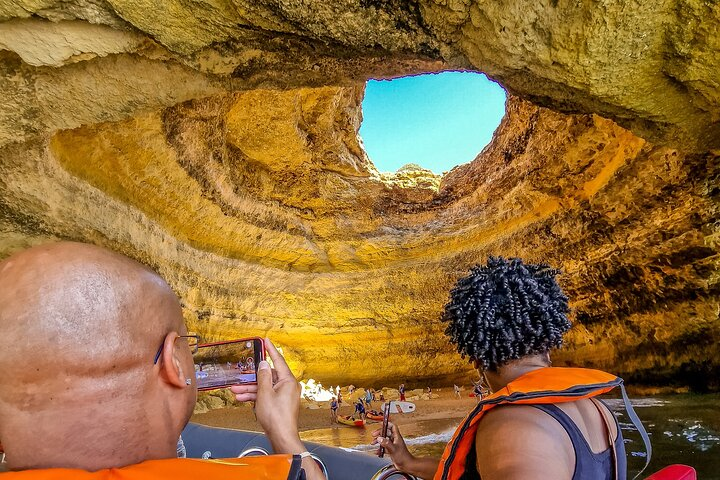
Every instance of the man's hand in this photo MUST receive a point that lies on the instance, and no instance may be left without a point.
(277, 396)
(245, 393)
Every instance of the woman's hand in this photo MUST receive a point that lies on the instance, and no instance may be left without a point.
(394, 446)
(401, 457)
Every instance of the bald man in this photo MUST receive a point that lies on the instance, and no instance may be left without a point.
(80, 326)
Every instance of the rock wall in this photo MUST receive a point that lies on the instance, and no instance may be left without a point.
(263, 212)
(217, 142)
(651, 65)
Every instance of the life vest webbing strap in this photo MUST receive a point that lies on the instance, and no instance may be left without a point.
(296, 470)
(640, 428)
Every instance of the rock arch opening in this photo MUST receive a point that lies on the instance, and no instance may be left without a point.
(435, 121)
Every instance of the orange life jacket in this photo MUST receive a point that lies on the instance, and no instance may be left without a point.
(542, 386)
(271, 467)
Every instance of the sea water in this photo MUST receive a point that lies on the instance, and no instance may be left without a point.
(682, 428)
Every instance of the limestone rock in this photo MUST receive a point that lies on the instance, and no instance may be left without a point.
(391, 393)
(214, 399)
(41, 43)
(651, 68)
(218, 144)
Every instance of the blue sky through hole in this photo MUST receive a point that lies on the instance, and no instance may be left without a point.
(437, 121)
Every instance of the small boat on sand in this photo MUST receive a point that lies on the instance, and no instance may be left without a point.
(374, 415)
(348, 420)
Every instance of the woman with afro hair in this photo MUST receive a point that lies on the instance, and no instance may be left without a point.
(540, 422)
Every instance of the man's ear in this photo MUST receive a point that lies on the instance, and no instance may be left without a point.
(170, 367)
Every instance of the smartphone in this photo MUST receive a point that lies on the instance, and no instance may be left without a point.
(386, 418)
(233, 362)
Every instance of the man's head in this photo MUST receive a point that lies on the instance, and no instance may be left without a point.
(80, 326)
(506, 310)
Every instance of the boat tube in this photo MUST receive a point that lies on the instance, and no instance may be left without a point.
(337, 463)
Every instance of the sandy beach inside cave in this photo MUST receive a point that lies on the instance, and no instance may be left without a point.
(242, 418)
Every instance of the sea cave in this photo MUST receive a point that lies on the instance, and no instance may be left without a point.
(218, 143)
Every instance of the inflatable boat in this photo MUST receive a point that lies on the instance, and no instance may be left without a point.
(337, 463)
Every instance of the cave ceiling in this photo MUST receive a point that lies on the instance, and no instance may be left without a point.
(217, 142)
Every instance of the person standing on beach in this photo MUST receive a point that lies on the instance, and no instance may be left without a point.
(359, 409)
(368, 398)
(333, 410)
(456, 389)
(506, 316)
(401, 389)
(478, 391)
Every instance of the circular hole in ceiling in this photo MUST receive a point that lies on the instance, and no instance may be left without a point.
(436, 121)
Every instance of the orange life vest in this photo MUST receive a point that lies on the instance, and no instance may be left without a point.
(271, 467)
(542, 386)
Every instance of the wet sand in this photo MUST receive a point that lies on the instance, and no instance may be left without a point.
(242, 418)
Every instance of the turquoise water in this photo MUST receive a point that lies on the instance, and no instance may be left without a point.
(683, 429)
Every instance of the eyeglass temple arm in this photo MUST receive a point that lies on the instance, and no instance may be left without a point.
(159, 351)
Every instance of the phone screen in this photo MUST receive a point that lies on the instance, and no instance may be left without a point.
(386, 418)
(221, 364)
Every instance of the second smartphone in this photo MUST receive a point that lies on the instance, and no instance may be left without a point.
(232, 362)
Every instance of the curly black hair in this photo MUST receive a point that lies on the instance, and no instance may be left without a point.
(506, 310)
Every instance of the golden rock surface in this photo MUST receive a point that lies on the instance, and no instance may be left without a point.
(217, 142)
(347, 269)
(650, 66)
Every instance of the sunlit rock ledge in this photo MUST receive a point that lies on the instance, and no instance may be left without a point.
(219, 146)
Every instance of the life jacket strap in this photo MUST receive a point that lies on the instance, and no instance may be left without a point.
(640, 428)
(608, 426)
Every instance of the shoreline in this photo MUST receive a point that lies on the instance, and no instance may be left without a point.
(316, 416)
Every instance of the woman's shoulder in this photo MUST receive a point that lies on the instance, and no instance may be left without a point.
(522, 421)
(519, 432)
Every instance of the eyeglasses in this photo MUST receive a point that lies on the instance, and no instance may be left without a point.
(193, 340)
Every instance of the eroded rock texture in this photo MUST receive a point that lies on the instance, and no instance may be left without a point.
(217, 142)
(650, 65)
